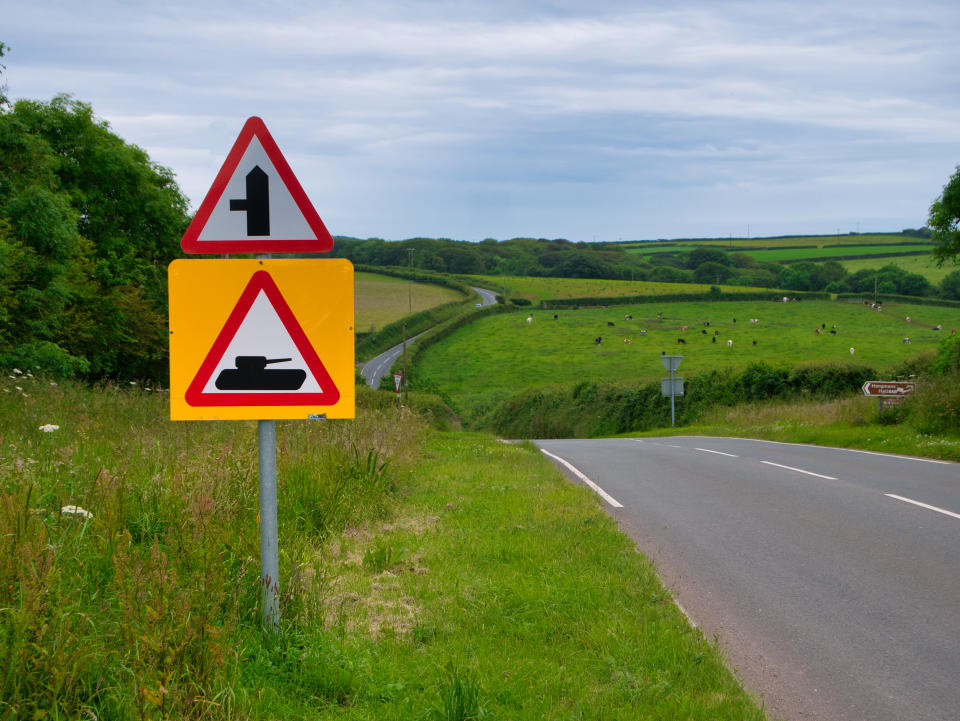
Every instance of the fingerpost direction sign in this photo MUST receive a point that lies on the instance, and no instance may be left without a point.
(888, 388)
(256, 204)
(261, 339)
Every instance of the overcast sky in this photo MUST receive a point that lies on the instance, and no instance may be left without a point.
(547, 118)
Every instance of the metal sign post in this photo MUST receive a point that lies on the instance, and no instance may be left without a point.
(269, 538)
(671, 363)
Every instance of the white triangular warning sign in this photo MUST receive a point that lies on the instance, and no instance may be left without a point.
(256, 204)
(261, 357)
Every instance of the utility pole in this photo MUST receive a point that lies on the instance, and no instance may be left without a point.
(405, 363)
(410, 252)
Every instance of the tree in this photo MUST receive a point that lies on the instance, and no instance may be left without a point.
(950, 286)
(3, 86)
(711, 272)
(699, 256)
(944, 217)
(88, 225)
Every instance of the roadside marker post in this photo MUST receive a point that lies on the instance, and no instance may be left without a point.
(671, 363)
(260, 339)
(397, 380)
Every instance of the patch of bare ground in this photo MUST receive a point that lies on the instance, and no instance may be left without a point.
(374, 604)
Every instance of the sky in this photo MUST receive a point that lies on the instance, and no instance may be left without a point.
(544, 118)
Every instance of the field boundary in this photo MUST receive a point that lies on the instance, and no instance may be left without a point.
(893, 298)
(770, 295)
(368, 346)
(862, 256)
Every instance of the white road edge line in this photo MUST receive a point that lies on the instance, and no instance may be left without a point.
(799, 470)
(923, 505)
(719, 453)
(848, 450)
(684, 612)
(575, 471)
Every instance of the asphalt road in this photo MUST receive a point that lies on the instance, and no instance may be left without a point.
(376, 368)
(833, 592)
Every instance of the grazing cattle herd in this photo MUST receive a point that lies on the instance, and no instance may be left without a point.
(834, 329)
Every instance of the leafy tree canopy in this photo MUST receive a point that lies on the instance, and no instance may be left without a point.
(88, 224)
(3, 97)
(944, 217)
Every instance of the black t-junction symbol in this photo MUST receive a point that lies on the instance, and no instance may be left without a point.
(257, 202)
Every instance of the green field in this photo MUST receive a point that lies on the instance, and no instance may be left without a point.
(539, 289)
(383, 299)
(923, 265)
(739, 244)
(496, 357)
(776, 255)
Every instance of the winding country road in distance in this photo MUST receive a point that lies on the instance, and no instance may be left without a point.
(376, 368)
(830, 577)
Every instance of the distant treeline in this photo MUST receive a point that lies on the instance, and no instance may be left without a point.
(564, 259)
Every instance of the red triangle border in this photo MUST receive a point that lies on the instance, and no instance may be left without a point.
(261, 281)
(191, 242)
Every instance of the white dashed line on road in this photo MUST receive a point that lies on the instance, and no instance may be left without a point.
(719, 453)
(923, 505)
(799, 470)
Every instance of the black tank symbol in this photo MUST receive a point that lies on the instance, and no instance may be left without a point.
(251, 374)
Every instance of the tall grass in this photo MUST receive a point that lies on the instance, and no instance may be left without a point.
(129, 549)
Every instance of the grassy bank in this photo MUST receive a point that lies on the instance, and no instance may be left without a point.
(851, 422)
(495, 358)
(423, 575)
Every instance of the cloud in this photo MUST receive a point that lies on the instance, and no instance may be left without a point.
(411, 116)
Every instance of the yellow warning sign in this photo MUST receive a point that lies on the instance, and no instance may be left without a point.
(261, 339)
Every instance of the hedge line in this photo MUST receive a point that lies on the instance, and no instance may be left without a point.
(592, 409)
(679, 297)
(392, 333)
(370, 344)
(893, 298)
(417, 275)
(863, 256)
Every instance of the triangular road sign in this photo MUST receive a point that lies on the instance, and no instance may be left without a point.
(256, 204)
(262, 357)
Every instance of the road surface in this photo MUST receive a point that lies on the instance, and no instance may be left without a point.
(830, 577)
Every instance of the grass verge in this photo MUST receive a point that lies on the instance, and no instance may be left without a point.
(423, 575)
(852, 422)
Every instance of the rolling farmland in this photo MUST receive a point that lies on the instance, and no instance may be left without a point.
(382, 299)
(492, 359)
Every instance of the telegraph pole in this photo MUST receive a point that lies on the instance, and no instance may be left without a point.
(410, 252)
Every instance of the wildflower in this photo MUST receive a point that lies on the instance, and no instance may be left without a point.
(49, 428)
(76, 511)
(17, 372)
(19, 388)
